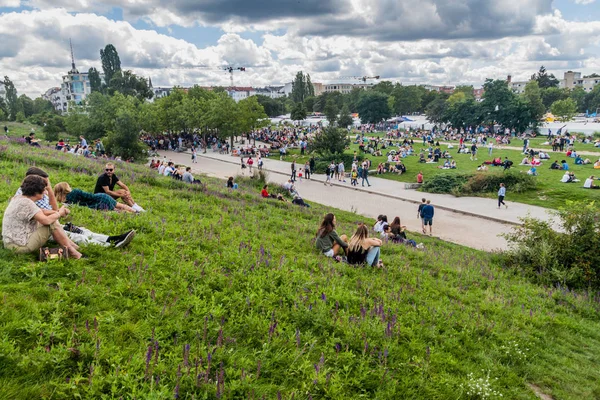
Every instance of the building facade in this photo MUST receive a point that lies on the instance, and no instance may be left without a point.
(53, 95)
(573, 79)
(240, 93)
(344, 88)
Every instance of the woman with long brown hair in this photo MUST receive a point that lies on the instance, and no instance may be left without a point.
(328, 241)
(363, 249)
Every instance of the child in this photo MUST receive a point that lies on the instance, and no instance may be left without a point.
(300, 174)
(354, 177)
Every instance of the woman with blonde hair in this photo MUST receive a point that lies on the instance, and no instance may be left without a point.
(98, 201)
(363, 249)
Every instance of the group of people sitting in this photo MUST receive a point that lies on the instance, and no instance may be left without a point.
(177, 172)
(32, 216)
(360, 249)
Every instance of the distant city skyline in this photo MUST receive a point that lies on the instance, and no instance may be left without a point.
(437, 43)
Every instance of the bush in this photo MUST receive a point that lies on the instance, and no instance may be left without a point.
(463, 184)
(20, 117)
(322, 163)
(568, 257)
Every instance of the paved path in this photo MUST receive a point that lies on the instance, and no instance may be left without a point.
(473, 222)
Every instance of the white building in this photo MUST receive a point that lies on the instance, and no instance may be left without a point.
(53, 95)
(240, 93)
(273, 92)
(160, 92)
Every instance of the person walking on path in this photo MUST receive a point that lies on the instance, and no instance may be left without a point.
(328, 176)
(501, 195)
(243, 166)
(250, 163)
(194, 156)
(473, 151)
(423, 202)
(312, 163)
(427, 213)
(490, 147)
(293, 177)
(341, 172)
(365, 176)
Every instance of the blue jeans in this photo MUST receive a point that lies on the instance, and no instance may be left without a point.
(373, 256)
(364, 178)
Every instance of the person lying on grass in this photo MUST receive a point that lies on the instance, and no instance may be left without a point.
(26, 228)
(328, 242)
(99, 201)
(364, 250)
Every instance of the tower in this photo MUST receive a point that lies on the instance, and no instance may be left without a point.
(73, 69)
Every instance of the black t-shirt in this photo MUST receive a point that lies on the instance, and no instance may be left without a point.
(105, 180)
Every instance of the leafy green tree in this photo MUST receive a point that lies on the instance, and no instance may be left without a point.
(111, 62)
(552, 94)
(463, 113)
(331, 141)
(592, 100)
(310, 89)
(345, 119)
(407, 99)
(52, 128)
(331, 111)
(544, 79)
(224, 116)
(77, 122)
(129, 84)
(353, 97)
(298, 112)
(95, 80)
(299, 88)
(466, 89)
(533, 95)
(455, 98)
(309, 102)
(26, 105)
(20, 116)
(579, 95)
(436, 111)
(496, 102)
(564, 110)
(385, 87)
(373, 107)
(252, 114)
(12, 101)
(124, 140)
(40, 106)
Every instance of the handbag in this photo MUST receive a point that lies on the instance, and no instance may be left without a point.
(53, 253)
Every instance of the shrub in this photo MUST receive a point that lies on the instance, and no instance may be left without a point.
(462, 184)
(568, 257)
(322, 163)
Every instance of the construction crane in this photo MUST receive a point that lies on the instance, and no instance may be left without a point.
(228, 69)
(361, 78)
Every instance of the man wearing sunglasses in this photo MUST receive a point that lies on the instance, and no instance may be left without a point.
(106, 184)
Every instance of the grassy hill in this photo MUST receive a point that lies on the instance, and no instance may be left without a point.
(222, 295)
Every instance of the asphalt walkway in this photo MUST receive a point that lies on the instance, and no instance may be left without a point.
(470, 221)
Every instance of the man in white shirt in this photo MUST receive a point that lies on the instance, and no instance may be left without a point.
(589, 183)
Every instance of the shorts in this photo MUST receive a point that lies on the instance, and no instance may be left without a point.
(37, 240)
(428, 221)
(328, 253)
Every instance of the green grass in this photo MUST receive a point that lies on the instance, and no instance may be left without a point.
(551, 193)
(237, 277)
(18, 130)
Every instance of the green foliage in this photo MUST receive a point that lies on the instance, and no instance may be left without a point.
(533, 95)
(345, 120)
(26, 105)
(331, 111)
(20, 117)
(373, 107)
(2, 115)
(129, 84)
(53, 126)
(298, 112)
(77, 123)
(544, 79)
(111, 62)
(436, 111)
(564, 110)
(330, 142)
(479, 183)
(124, 140)
(407, 99)
(301, 87)
(568, 257)
(553, 94)
(95, 80)
(12, 101)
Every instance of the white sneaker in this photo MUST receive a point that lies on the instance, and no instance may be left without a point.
(137, 208)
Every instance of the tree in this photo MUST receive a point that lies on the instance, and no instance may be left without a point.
(129, 84)
(52, 128)
(463, 113)
(594, 75)
(111, 62)
(592, 100)
(533, 96)
(298, 112)
(252, 114)
(407, 99)
(331, 141)
(299, 88)
(544, 80)
(77, 121)
(552, 94)
(12, 101)
(40, 106)
(26, 105)
(496, 102)
(345, 119)
(224, 116)
(385, 87)
(310, 89)
(124, 140)
(271, 106)
(373, 107)
(331, 111)
(579, 95)
(95, 80)
(466, 89)
(564, 110)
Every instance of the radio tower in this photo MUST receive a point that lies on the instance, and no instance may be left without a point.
(73, 69)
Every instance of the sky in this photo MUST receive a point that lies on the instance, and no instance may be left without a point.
(439, 42)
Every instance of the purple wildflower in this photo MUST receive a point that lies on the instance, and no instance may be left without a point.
(323, 297)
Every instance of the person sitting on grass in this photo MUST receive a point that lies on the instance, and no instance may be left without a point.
(507, 163)
(569, 177)
(589, 183)
(482, 167)
(453, 164)
(231, 184)
(266, 195)
(106, 184)
(497, 162)
(328, 242)
(564, 165)
(364, 250)
(98, 201)
(532, 171)
(26, 228)
(525, 161)
(397, 233)
(555, 165)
